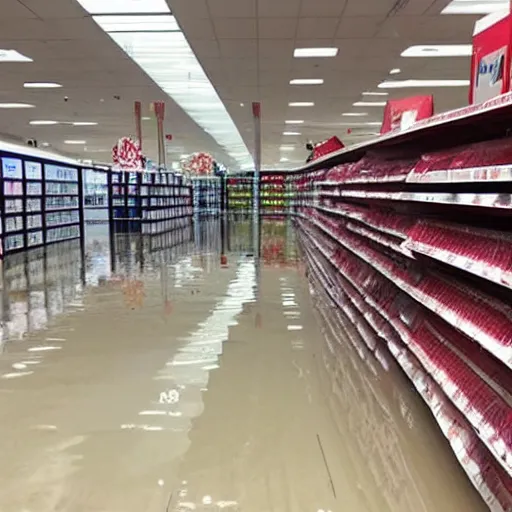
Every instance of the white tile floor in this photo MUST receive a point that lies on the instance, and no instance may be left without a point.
(196, 387)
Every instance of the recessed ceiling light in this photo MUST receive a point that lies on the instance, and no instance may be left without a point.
(137, 23)
(146, 119)
(368, 93)
(307, 81)
(16, 105)
(124, 6)
(402, 84)
(43, 123)
(41, 85)
(301, 104)
(315, 52)
(13, 56)
(354, 114)
(45, 144)
(291, 133)
(439, 50)
(475, 7)
(294, 121)
(84, 123)
(77, 142)
(370, 104)
(395, 71)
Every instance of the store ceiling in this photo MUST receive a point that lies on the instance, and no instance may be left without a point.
(246, 49)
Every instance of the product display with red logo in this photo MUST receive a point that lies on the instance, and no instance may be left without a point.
(402, 114)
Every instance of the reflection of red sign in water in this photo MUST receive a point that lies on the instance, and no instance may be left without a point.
(133, 292)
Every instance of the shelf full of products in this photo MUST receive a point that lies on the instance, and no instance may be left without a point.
(273, 194)
(207, 193)
(148, 201)
(41, 202)
(416, 253)
(240, 191)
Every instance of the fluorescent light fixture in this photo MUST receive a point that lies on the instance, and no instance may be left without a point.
(43, 123)
(287, 148)
(354, 114)
(439, 50)
(368, 93)
(41, 85)
(475, 6)
(301, 104)
(370, 104)
(124, 6)
(13, 56)
(403, 84)
(137, 23)
(291, 133)
(395, 71)
(307, 81)
(146, 118)
(284, 159)
(84, 123)
(76, 142)
(315, 52)
(16, 105)
(369, 123)
(168, 59)
(294, 121)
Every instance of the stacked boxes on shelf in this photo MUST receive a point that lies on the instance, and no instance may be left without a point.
(273, 198)
(240, 193)
(148, 201)
(41, 202)
(207, 191)
(417, 254)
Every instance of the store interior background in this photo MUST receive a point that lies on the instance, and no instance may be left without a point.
(254, 265)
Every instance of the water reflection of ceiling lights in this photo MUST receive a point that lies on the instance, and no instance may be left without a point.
(150, 35)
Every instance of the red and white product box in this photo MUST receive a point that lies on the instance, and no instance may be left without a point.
(490, 62)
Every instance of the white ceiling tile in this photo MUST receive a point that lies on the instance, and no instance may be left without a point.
(276, 48)
(207, 49)
(231, 8)
(312, 28)
(276, 8)
(321, 8)
(358, 27)
(369, 7)
(185, 9)
(242, 48)
(235, 28)
(277, 28)
(198, 28)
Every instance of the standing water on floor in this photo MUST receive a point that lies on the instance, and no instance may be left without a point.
(197, 370)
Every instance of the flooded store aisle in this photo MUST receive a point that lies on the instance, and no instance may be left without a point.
(170, 382)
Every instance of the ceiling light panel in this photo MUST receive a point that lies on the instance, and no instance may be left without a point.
(301, 104)
(291, 133)
(307, 81)
(403, 84)
(475, 6)
(168, 59)
(43, 122)
(75, 142)
(441, 50)
(41, 85)
(354, 114)
(137, 23)
(369, 93)
(315, 52)
(124, 6)
(395, 71)
(294, 121)
(370, 103)
(13, 56)
(84, 123)
(16, 105)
